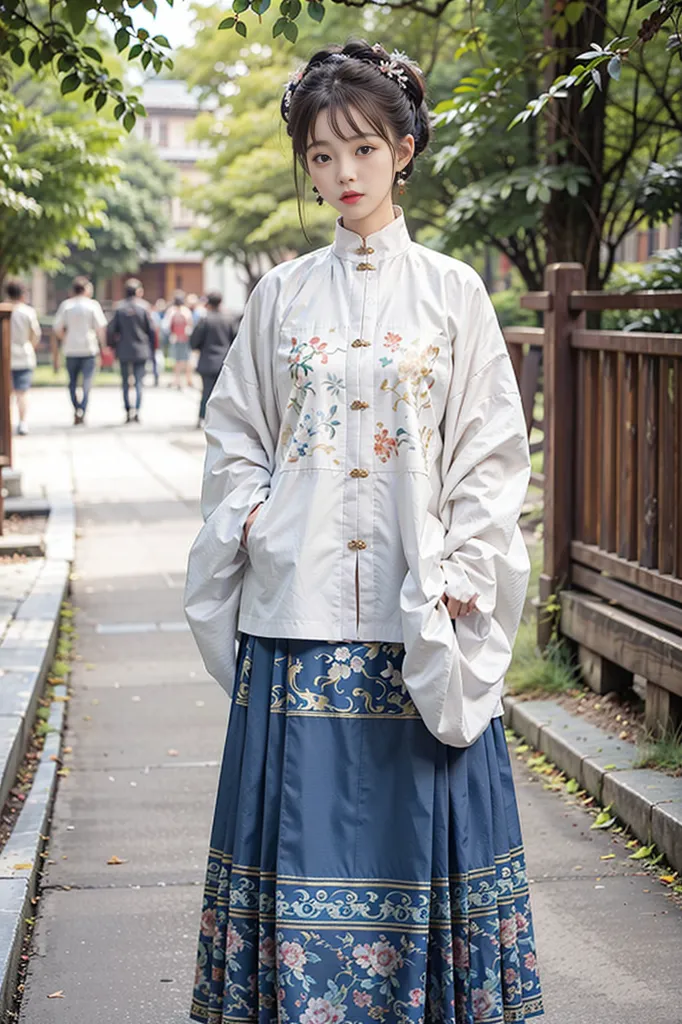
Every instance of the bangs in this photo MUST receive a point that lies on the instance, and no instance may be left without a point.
(342, 105)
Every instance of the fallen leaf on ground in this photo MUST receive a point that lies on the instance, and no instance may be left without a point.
(116, 860)
(56, 995)
(572, 786)
(609, 767)
(23, 867)
(607, 856)
(645, 851)
(668, 878)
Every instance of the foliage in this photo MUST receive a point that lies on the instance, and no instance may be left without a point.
(550, 672)
(664, 273)
(135, 206)
(507, 305)
(56, 36)
(667, 12)
(53, 165)
(663, 752)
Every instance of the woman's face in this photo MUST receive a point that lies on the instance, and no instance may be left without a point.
(355, 173)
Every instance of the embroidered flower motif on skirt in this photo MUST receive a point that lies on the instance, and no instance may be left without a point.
(467, 968)
(328, 693)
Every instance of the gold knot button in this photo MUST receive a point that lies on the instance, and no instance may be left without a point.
(359, 472)
(364, 250)
(359, 405)
(360, 343)
(357, 545)
(365, 266)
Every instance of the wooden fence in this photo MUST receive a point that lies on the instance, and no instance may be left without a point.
(5, 388)
(612, 485)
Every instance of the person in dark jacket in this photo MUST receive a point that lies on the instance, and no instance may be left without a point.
(131, 332)
(212, 336)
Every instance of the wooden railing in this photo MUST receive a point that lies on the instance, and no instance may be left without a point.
(612, 487)
(5, 388)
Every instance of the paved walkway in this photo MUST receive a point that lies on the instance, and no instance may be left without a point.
(147, 726)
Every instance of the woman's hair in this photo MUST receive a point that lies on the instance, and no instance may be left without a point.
(387, 89)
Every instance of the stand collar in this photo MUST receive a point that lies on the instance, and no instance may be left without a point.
(389, 241)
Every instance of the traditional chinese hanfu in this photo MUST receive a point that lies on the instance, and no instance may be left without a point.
(366, 859)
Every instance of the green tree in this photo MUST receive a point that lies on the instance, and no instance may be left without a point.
(53, 165)
(135, 207)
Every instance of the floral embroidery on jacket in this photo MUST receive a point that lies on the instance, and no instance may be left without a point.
(415, 372)
(392, 341)
(299, 440)
(301, 367)
(385, 446)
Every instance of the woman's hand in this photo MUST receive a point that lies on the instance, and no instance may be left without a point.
(457, 609)
(249, 523)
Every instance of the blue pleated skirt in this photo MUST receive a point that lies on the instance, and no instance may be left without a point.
(359, 870)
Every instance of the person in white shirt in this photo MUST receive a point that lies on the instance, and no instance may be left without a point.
(80, 326)
(24, 333)
(367, 460)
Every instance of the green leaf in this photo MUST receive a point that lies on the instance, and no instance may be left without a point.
(101, 100)
(162, 41)
(70, 83)
(290, 31)
(18, 56)
(316, 10)
(118, 110)
(560, 27)
(34, 58)
(94, 54)
(572, 786)
(129, 121)
(227, 23)
(278, 27)
(587, 96)
(121, 39)
(643, 852)
(240, 29)
(77, 11)
(573, 11)
(135, 51)
(613, 68)
(603, 819)
(544, 194)
(145, 58)
(284, 8)
(294, 9)
(259, 7)
(142, 34)
(239, 6)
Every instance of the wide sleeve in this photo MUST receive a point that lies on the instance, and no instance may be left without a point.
(241, 432)
(455, 669)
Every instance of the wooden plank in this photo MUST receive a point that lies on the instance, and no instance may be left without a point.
(540, 301)
(537, 480)
(524, 335)
(608, 481)
(516, 357)
(591, 453)
(667, 469)
(530, 376)
(678, 469)
(647, 460)
(665, 613)
(634, 644)
(650, 580)
(580, 443)
(627, 457)
(591, 301)
(633, 342)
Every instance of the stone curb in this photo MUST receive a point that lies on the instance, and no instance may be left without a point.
(648, 802)
(26, 653)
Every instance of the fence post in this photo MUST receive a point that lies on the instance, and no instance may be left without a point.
(560, 430)
(5, 388)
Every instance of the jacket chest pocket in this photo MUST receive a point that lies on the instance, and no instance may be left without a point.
(311, 373)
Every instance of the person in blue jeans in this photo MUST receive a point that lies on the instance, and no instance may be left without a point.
(79, 329)
(131, 332)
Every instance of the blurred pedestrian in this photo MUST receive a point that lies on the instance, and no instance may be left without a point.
(178, 323)
(24, 335)
(211, 337)
(80, 328)
(196, 307)
(131, 333)
(158, 314)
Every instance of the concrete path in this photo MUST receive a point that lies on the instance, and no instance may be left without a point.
(147, 725)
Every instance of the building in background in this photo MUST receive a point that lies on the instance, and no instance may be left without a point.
(171, 112)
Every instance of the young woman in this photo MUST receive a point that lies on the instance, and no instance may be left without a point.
(367, 461)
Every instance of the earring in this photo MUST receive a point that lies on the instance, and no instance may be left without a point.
(320, 200)
(402, 183)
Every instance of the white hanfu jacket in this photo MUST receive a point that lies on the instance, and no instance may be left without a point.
(370, 403)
